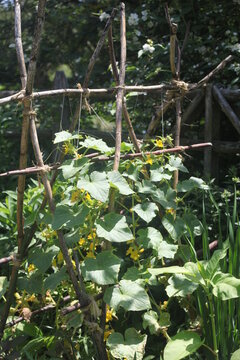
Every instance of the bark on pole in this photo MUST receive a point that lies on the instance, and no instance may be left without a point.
(208, 131)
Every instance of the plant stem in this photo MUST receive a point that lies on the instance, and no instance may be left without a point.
(212, 317)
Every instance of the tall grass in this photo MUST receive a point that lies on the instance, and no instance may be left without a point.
(221, 319)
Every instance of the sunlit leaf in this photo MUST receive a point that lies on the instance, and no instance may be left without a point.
(182, 345)
(114, 228)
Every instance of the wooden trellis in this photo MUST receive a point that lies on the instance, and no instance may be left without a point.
(175, 91)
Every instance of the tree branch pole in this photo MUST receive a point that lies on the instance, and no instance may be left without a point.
(226, 108)
(98, 157)
(219, 67)
(208, 128)
(19, 96)
(116, 77)
(119, 101)
(24, 140)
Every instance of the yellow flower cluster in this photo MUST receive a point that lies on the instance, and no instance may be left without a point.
(170, 211)
(109, 314)
(159, 143)
(31, 268)
(149, 160)
(134, 253)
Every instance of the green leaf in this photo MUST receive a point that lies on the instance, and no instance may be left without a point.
(62, 136)
(146, 210)
(96, 144)
(129, 295)
(65, 216)
(146, 187)
(181, 345)
(32, 330)
(71, 167)
(126, 147)
(180, 285)
(43, 259)
(150, 320)
(165, 197)
(152, 238)
(53, 280)
(140, 276)
(103, 270)
(3, 285)
(158, 173)
(96, 184)
(114, 228)
(131, 347)
(175, 163)
(236, 355)
(32, 284)
(168, 270)
(213, 264)
(164, 320)
(192, 183)
(117, 180)
(132, 172)
(192, 224)
(226, 286)
(175, 227)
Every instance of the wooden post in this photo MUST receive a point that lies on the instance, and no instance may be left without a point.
(216, 137)
(208, 131)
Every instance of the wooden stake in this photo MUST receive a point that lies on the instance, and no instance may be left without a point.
(208, 131)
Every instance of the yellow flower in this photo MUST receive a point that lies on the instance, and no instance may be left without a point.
(31, 268)
(88, 197)
(32, 298)
(109, 314)
(164, 305)
(75, 195)
(90, 254)
(17, 296)
(170, 211)
(66, 148)
(82, 241)
(107, 333)
(159, 143)
(54, 263)
(74, 264)
(60, 257)
(134, 253)
(92, 236)
(149, 160)
(91, 247)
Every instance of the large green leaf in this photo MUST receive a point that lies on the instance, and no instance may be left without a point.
(236, 355)
(146, 187)
(180, 285)
(65, 216)
(71, 167)
(140, 276)
(117, 180)
(175, 163)
(103, 270)
(96, 184)
(158, 173)
(152, 238)
(43, 259)
(214, 263)
(192, 224)
(53, 280)
(129, 295)
(130, 347)
(226, 286)
(168, 270)
(182, 345)
(165, 197)
(150, 320)
(31, 284)
(146, 210)
(175, 227)
(3, 285)
(62, 136)
(192, 183)
(96, 144)
(114, 228)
